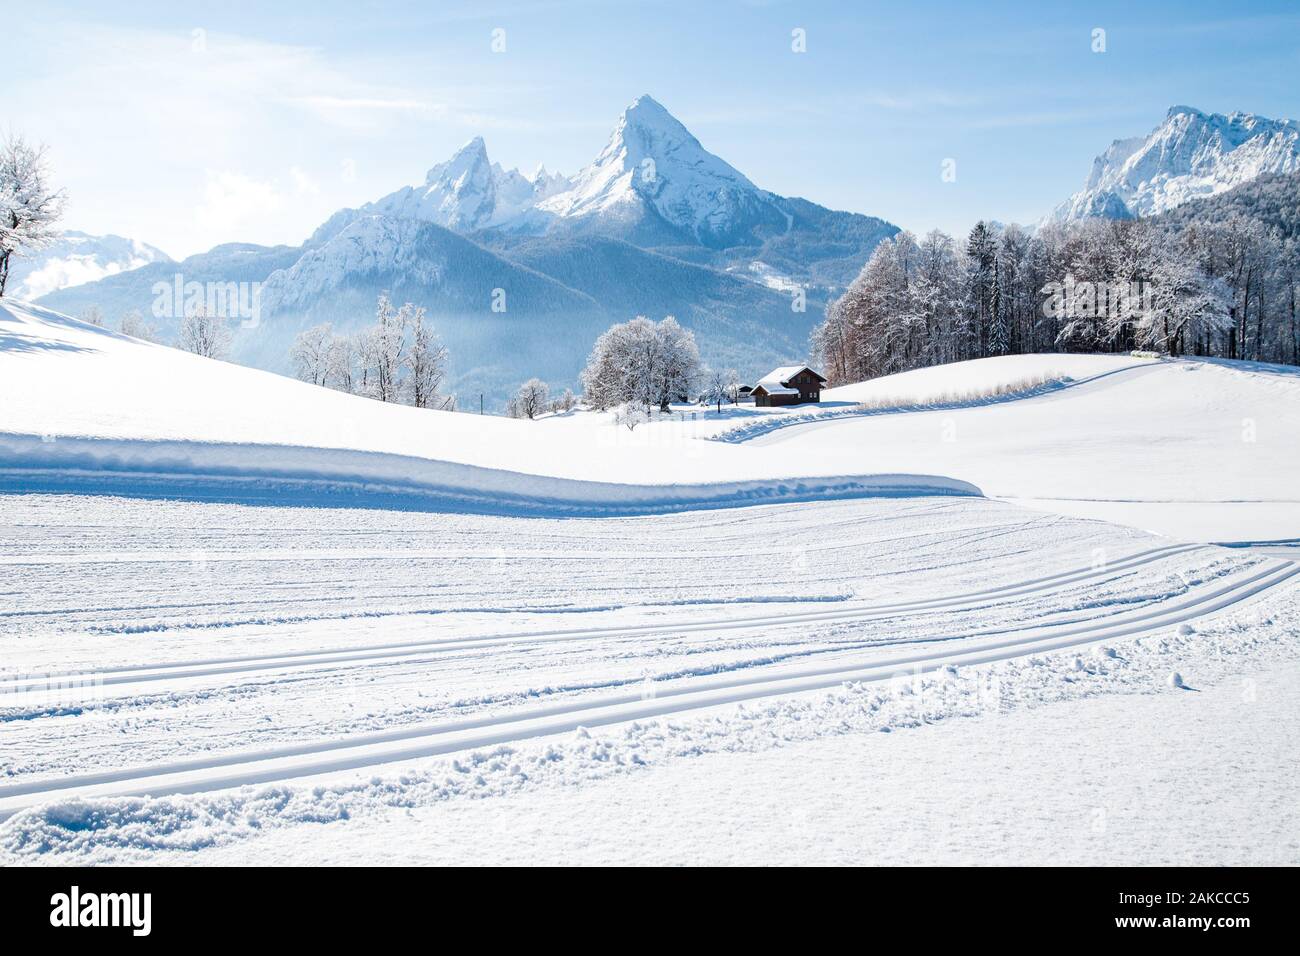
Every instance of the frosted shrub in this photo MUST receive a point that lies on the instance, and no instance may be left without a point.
(631, 415)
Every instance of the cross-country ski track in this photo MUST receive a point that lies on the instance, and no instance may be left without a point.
(259, 605)
(234, 665)
(232, 770)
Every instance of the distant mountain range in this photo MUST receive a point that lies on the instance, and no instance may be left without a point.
(76, 258)
(1191, 155)
(521, 272)
(656, 225)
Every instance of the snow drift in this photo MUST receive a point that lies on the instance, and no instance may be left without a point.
(90, 410)
(1195, 449)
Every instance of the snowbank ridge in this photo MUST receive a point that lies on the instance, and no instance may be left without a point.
(290, 475)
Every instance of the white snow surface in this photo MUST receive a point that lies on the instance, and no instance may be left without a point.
(188, 418)
(243, 614)
(1199, 450)
(1071, 784)
(325, 672)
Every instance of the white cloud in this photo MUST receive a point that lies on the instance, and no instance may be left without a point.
(131, 114)
(68, 271)
(232, 200)
(303, 184)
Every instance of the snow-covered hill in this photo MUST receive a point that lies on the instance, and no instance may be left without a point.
(77, 258)
(454, 619)
(1190, 155)
(180, 423)
(1191, 448)
(1196, 449)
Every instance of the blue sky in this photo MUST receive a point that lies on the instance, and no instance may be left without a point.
(190, 124)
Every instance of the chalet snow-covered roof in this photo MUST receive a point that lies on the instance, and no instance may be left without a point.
(774, 382)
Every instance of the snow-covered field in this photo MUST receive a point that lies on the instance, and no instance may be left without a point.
(249, 620)
(1131, 780)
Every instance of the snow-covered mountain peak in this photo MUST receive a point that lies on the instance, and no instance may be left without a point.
(546, 183)
(468, 192)
(459, 193)
(1190, 155)
(653, 185)
(648, 116)
(466, 162)
(652, 160)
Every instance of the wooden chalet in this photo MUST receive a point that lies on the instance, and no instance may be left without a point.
(788, 385)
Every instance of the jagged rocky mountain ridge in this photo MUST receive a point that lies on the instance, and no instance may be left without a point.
(1190, 155)
(656, 225)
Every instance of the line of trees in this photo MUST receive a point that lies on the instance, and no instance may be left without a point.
(398, 359)
(200, 331)
(131, 323)
(1214, 287)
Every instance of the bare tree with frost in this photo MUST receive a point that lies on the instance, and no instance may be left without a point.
(530, 401)
(29, 206)
(311, 353)
(205, 334)
(426, 360)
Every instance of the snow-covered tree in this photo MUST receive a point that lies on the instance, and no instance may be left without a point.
(398, 359)
(311, 353)
(29, 206)
(877, 326)
(426, 361)
(204, 334)
(631, 414)
(1243, 249)
(92, 315)
(386, 350)
(981, 272)
(340, 363)
(530, 401)
(720, 385)
(642, 361)
(565, 402)
(1288, 275)
(134, 325)
(678, 371)
(733, 386)
(1187, 305)
(937, 297)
